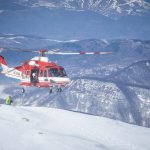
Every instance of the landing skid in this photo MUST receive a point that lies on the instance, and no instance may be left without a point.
(23, 90)
(58, 90)
(51, 89)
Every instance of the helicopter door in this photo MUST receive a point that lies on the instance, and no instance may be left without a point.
(34, 76)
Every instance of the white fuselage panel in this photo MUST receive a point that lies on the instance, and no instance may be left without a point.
(43, 59)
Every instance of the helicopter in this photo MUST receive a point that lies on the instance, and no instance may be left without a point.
(39, 71)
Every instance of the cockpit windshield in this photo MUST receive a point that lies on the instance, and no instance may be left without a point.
(54, 72)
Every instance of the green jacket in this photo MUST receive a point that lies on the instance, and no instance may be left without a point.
(8, 101)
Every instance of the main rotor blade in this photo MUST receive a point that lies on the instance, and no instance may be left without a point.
(77, 53)
(29, 50)
(54, 52)
(16, 49)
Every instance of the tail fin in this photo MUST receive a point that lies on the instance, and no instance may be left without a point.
(3, 63)
(2, 60)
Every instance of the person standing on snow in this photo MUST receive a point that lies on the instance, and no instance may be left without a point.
(8, 101)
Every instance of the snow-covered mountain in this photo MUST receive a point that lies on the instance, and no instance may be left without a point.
(45, 128)
(104, 7)
(56, 20)
(115, 86)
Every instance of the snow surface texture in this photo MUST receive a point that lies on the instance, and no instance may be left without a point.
(29, 128)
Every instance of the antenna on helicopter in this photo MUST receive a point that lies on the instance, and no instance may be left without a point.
(42, 52)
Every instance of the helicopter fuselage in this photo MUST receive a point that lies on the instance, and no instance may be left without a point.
(38, 71)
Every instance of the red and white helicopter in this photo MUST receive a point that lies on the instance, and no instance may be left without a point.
(41, 72)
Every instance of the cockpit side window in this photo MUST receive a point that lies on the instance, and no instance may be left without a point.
(45, 73)
(41, 73)
(62, 72)
(53, 72)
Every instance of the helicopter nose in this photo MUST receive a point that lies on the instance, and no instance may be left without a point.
(66, 79)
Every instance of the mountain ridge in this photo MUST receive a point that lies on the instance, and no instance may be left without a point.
(104, 7)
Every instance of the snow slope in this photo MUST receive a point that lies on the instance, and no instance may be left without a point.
(29, 128)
